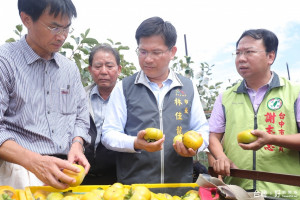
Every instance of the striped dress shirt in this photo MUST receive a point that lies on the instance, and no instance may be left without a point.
(43, 105)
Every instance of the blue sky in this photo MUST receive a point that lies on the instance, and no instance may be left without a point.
(212, 27)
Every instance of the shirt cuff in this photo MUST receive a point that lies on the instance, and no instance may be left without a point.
(83, 133)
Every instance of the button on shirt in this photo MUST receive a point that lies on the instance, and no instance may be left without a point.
(99, 108)
(43, 104)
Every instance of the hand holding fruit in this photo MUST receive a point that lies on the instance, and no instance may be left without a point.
(246, 137)
(259, 139)
(77, 176)
(192, 139)
(150, 140)
(76, 154)
(48, 170)
(187, 144)
(153, 134)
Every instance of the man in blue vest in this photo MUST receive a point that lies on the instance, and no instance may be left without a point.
(268, 105)
(159, 98)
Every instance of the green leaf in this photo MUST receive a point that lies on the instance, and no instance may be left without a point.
(87, 32)
(129, 194)
(63, 53)
(68, 45)
(77, 56)
(16, 32)
(77, 61)
(76, 39)
(110, 40)
(123, 48)
(85, 51)
(10, 40)
(19, 28)
(86, 61)
(89, 41)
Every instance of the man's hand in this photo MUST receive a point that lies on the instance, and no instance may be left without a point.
(49, 170)
(183, 151)
(263, 138)
(141, 143)
(77, 156)
(46, 168)
(222, 166)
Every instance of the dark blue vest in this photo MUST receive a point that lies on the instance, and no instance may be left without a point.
(143, 112)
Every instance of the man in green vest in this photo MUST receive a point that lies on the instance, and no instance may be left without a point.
(268, 105)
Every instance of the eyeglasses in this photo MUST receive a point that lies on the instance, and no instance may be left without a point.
(59, 30)
(155, 54)
(247, 53)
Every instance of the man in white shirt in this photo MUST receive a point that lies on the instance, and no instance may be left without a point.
(159, 98)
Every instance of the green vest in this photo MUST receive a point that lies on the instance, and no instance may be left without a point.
(275, 115)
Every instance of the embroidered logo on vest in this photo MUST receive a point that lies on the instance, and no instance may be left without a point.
(180, 93)
(275, 103)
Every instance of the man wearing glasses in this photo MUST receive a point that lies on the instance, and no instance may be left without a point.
(44, 118)
(265, 103)
(159, 98)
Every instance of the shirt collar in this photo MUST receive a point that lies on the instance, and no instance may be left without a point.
(95, 92)
(141, 78)
(31, 56)
(169, 79)
(266, 85)
(273, 83)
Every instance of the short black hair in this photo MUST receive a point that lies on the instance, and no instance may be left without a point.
(106, 48)
(269, 39)
(157, 26)
(35, 8)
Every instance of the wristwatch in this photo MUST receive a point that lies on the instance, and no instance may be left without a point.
(80, 142)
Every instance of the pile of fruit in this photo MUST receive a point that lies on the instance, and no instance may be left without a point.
(8, 193)
(116, 191)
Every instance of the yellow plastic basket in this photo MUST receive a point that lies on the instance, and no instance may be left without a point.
(178, 189)
(29, 191)
(21, 194)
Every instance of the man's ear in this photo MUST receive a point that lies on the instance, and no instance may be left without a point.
(173, 51)
(119, 70)
(26, 20)
(271, 57)
(89, 68)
